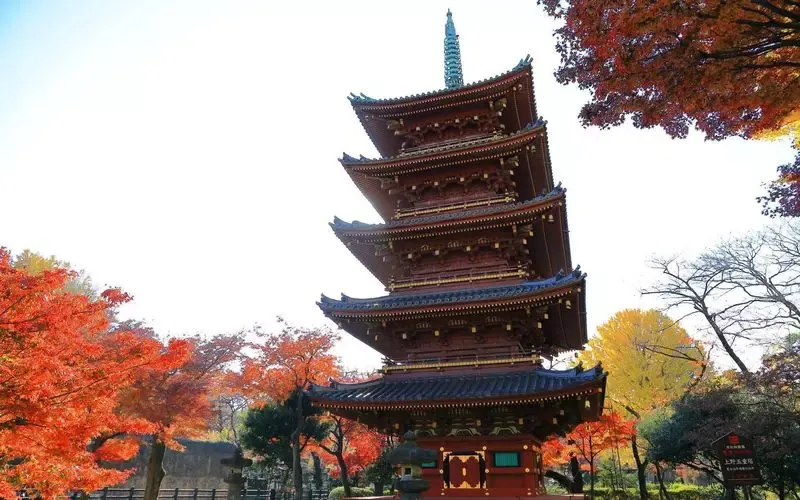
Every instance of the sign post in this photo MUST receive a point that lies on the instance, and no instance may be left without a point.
(737, 461)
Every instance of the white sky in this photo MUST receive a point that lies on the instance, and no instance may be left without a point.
(187, 151)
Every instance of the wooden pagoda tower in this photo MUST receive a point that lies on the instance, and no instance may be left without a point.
(474, 253)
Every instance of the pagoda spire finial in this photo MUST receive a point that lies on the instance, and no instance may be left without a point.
(453, 76)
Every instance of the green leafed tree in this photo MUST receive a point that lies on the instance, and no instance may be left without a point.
(268, 431)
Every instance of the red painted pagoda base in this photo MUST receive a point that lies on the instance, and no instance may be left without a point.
(481, 466)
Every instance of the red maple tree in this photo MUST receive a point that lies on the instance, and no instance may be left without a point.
(587, 441)
(284, 366)
(62, 373)
(350, 447)
(726, 67)
(179, 402)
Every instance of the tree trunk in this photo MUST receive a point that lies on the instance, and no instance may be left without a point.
(591, 467)
(317, 471)
(577, 477)
(640, 468)
(297, 468)
(558, 477)
(343, 470)
(725, 344)
(285, 478)
(155, 469)
(660, 477)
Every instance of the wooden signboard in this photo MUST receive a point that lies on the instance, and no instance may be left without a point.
(737, 460)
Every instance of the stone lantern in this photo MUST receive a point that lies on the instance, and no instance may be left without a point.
(409, 458)
(235, 478)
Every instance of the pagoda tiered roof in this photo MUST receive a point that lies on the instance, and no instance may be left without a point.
(484, 295)
(434, 153)
(521, 387)
(453, 217)
(367, 173)
(551, 242)
(375, 114)
(567, 331)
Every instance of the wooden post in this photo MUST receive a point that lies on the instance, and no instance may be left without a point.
(214, 494)
(194, 494)
(175, 495)
(130, 494)
(104, 495)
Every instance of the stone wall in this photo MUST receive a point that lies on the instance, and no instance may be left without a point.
(198, 466)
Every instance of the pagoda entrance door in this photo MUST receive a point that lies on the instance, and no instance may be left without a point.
(465, 470)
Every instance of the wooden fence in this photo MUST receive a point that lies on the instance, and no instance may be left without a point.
(198, 494)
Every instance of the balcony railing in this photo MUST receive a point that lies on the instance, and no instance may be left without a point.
(462, 360)
(401, 213)
(466, 276)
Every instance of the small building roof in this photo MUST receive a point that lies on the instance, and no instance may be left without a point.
(518, 387)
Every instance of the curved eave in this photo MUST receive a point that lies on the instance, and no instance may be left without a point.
(567, 329)
(366, 103)
(534, 174)
(375, 232)
(394, 165)
(594, 387)
(373, 113)
(555, 292)
(549, 245)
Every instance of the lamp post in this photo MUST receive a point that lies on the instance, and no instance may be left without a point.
(409, 458)
(234, 478)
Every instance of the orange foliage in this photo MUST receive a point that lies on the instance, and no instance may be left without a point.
(119, 449)
(361, 446)
(588, 440)
(636, 59)
(554, 452)
(289, 361)
(62, 371)
(179, 401)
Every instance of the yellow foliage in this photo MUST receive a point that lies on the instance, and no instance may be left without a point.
(789, 128)
(651, 360)
(35, 264)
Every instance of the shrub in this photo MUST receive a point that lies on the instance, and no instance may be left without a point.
(338, 492)
(676, 492)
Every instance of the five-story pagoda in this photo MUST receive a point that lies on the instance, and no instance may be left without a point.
(474, 253)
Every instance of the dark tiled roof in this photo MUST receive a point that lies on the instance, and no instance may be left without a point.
(346, 159)
(450, 297)
(339, 224)
(457, 387)
(366, 100)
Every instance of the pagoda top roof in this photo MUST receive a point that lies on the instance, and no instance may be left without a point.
(464, 215)
(376, 114)
(449, 297)
(361, 100)
(519, 387)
